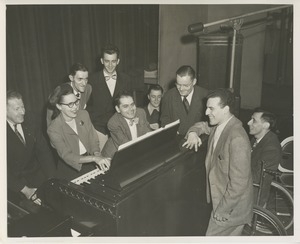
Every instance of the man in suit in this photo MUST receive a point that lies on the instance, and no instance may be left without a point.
(228, 165)
(106, 84)
(78, 76)
(128, 123)
(29, 159)
(184, 102)
(266, 147)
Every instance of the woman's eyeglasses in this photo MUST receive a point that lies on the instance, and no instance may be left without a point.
(71, 105)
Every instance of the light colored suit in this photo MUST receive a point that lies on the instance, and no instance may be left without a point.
(120, 132)
(229, 179)
(66, 142)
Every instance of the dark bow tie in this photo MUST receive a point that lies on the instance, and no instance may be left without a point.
(107, 77)
(134, 120)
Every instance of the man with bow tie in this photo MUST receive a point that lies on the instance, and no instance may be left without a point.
(266, 147)
(128, 123)
(78, 77)
(29, 159)
(106, 84)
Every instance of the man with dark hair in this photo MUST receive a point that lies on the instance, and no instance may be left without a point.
(155, 93)
(106, 84)
(128, 123)
(228, 165)
(184, 102)
(29, 159)
(266, 147)
(78, 76)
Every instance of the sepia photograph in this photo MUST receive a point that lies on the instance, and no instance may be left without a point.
(149, 121)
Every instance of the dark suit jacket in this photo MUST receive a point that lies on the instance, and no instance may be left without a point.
(28, 165)
(228, 170)
(66, 142)
(269, 150)
(100, 105)
(85, 96)
(120, 132)
(173, 109)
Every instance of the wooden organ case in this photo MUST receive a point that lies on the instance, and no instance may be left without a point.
(154, 188)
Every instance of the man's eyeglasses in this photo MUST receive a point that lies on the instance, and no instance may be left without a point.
(71, 105)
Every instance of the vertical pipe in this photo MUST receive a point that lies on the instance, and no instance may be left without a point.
(232, 59)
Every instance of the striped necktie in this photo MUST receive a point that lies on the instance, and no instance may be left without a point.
(19, 135)
(186, 104)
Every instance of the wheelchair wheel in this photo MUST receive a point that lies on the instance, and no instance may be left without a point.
(264, 223)
(281, 204)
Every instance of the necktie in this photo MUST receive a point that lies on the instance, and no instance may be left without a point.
(254, 145)
(107, 77)
(19, 135)
(186, 104)
(78, 94)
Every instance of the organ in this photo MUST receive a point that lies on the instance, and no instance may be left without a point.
(154, 188)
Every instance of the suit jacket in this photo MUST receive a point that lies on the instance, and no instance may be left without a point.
(28, 165)
(269, 150)
(228, 174)
(66, 141)
(173, 109)
(100, 105)
(120, 132)
(85, 96)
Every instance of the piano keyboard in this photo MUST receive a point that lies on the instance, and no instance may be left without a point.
(86, 178)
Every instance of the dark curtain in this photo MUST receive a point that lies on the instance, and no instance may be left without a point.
(44, 41)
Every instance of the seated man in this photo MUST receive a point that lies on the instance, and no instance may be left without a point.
(152, 110)
(266, 147)
(29, 159)
(79, 82)
(128, 123)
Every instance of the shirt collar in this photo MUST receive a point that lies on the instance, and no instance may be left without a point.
(74, 91)
(106, 74)
(189, 97)
(151, 108)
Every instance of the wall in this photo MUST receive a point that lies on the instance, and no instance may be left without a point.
(174, 20)
(176, 48)
(253, 50)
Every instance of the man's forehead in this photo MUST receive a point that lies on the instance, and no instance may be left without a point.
(213, 101)
(155, 92)
(81, 73)
(14, 101)
(108, 56)
(257, 115)
(126, 100)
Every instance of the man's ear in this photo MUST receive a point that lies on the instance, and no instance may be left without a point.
(118, 61)
(71, 77)
(101, 59)
(194, 81)
(227, 110)
(266, 125)
(117, 109)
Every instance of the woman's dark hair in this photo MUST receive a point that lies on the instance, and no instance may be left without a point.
(56, 97)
